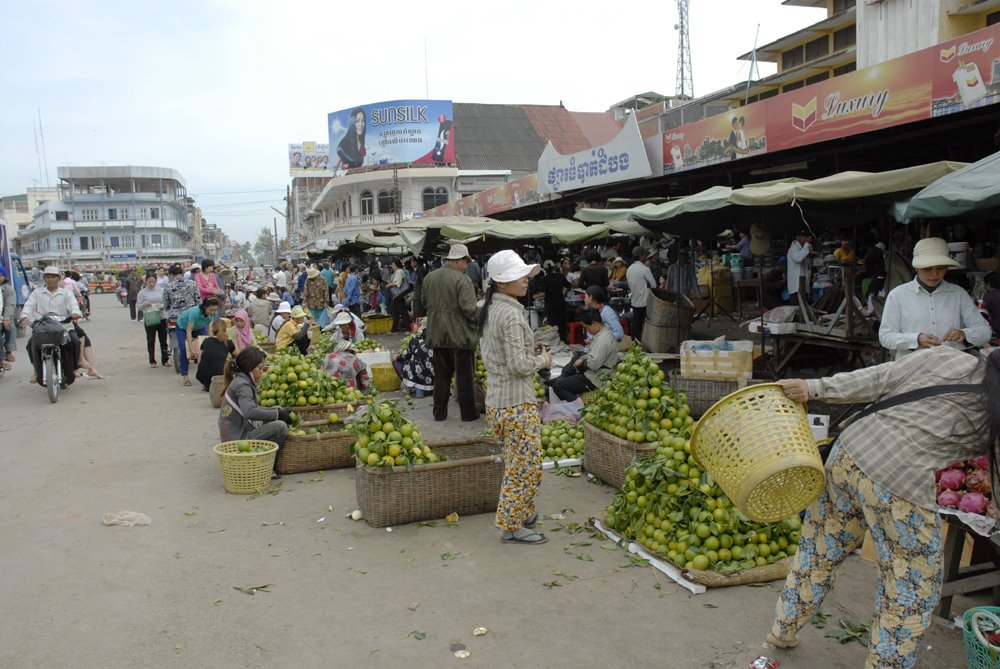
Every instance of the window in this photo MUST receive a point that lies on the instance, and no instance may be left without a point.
(792, 57)
(154, 212)
(62, 215)
(845, 69)
(64, 243)
(367, 203)
(89, 214)
(84, 243)
(768, 94)
(112, 214)
(793, 86)
(386, 202)
(144, 213)
(822, 76)
(114, 242)
(993, 19)
(844, 38)
(128, 241)
(156, 241)
(124, 214)
(21, 206)
(427, 198)
(842, 5)
(440, 196)
(818, 48)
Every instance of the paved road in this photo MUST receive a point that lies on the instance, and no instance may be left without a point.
(75, 593)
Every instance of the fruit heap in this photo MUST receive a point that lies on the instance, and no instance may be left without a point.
(673, 509)
(541, 392)
(561, 440)
(383, 438)
(332, 424)
(966, 486)
(259, 338)
(367, 345)
(480, 368)
(294, 380)
(244, 446)
(406, 343)
(636, 404)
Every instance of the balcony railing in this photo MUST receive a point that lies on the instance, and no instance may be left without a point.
(352, 225)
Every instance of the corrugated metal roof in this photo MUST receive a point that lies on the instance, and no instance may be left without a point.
(495, 137)
(598, 127)
(556, 125)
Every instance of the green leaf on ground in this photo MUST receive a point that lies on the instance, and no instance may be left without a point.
(419, 636)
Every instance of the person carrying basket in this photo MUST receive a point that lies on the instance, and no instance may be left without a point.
(931, 408)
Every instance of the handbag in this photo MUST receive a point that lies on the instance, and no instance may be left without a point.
(152, 318)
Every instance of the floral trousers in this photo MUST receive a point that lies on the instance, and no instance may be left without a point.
(909, 548)
(518, 429)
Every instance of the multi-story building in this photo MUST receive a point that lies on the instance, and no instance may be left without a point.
(104, 216)
(18, 210)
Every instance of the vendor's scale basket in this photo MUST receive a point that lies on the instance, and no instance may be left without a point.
(315, 452)
(313, 412)
(384, 377)
(467, 483)
(377, 324)
(758, 446)
(607, 456)
(246, 473)
(979, 653)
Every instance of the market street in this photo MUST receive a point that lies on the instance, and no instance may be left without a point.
(77, 593)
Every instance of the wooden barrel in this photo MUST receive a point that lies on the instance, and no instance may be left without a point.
(215, 390)
(665, 338)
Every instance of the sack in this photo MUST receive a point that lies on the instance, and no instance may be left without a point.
(152, 318)
(48, 331)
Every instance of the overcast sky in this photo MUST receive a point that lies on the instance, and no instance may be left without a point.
(217, 88)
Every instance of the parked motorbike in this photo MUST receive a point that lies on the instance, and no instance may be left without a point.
(123, 296)
(50, 335)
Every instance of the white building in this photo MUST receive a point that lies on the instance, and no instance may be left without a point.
(18, 210)
(104, 216)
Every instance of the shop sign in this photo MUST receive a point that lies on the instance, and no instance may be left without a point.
(621, 159)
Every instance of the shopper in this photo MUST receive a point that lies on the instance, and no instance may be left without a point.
(191, 324)
(512, 359)
(399, 287)
(451, 332)
(316, 294)
(880, 477)
(215, 352)
(640, 281)
(133, 284)
(556, 287)
(150, 300)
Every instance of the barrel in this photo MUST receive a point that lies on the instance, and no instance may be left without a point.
(661, 309)
(215, 390)
(665, 338)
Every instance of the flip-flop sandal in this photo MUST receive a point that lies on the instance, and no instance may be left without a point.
(187, 382)
(523, 537)
(530, 521)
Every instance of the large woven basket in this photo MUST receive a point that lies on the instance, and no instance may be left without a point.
(245, 473)
(467, 483)
(319, 412)
(757, 444)
(384, 377)
(215, 390)
(607, 457)
(315, 452)
(377, 324)
(979, 653)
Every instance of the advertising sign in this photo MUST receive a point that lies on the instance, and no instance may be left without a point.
(511, 195)
(621, 159)
(399, 131)
(951, 77)
(308, 157)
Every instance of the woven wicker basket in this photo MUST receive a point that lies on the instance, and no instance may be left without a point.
(704, 392)
(215, 390)
(319, 412)
(245, 473)
(607, 457)
(757, 444)
(315, 452)
(467, 484)
(377, 324)
(384, 377)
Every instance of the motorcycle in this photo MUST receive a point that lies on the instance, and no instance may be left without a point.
(123, 296)
(50, 335)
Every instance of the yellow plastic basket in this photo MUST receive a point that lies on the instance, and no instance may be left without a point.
(246, 473)
(378, 324)
(385, 377)
(757, 445)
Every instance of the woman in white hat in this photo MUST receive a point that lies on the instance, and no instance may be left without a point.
(291, 333)
(281, 315)
(343, 328)
(929, 311)
(512, 359)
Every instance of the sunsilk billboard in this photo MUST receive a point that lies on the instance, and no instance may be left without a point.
(400, 132)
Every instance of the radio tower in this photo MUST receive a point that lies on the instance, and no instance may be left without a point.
(685, 82)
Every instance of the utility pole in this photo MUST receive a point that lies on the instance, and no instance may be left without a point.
(397, 209)
(276, 256)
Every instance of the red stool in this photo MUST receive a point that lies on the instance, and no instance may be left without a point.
(626, 325)
(575, 332)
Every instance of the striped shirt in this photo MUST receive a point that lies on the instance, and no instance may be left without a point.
(902, 446)
(507, 347)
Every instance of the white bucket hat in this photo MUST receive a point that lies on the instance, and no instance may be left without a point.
(342, 318)
(283, 308)
(458, 252)
(52, 269)
(932, 252)
(274, 297)
(506, 266)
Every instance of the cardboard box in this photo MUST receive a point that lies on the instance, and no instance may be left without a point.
(868, 548)
(820, 425)
(734, 364)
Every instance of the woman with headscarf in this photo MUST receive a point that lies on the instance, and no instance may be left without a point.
(343, 364)
(512, 360)
(240, 416)
(241, 334)
(215, 351)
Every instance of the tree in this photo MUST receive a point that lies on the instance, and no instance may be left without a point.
(263, 248)
(245, 252)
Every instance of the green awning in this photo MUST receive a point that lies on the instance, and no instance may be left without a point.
(974, 188)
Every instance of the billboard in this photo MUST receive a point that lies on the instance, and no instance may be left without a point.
(399, 131)
(511, 195)
(951, 77)
(621, 159)
(308, 157)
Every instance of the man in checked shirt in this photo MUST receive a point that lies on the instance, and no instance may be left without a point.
(880, 476)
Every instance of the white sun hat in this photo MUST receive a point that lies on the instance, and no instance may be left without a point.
(506, 266)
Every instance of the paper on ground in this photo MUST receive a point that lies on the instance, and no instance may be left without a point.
(662, 566)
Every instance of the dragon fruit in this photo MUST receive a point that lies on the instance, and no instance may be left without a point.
(973, 502)
(981, 461)
(952, 479)
(949, 499)
(978, 480)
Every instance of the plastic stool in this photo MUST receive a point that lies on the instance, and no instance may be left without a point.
(575, 332)
(626, 325)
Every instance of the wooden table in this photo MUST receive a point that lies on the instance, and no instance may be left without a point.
(785, 346)
(960, 580)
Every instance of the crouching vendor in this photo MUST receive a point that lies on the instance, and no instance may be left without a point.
(241, 417)
(583, 373)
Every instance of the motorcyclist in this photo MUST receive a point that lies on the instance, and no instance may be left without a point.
(53, 300)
